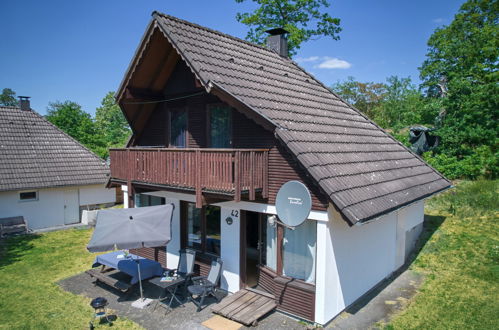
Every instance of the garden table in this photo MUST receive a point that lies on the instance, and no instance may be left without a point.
(128, 265)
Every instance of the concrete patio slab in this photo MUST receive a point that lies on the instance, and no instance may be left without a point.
(369, 312)
(180, 317)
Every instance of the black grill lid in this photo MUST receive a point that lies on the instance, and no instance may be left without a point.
(98, 302)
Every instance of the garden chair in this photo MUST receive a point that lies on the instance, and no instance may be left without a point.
(185, 268)
(205, 285)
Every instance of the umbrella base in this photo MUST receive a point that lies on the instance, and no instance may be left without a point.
(141, 303)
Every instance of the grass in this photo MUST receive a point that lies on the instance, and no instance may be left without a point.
(30, 267)
(460, 261)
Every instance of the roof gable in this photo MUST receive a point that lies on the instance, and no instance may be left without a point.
(364, 171)
(37, 154)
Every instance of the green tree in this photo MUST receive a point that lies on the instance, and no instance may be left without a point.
(366, 96)
(460, 71)
(394, 104)
(77, 123)
(8, 98)
(402, 106)
(303, 19)
(111, 123)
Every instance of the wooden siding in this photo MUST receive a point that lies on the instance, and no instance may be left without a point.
(282, 166)
(246, 134)
(157, 254)
(292, 296)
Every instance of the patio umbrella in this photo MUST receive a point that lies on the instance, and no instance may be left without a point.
(132, 228)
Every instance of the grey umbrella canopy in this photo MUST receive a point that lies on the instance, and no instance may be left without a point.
(132, 228)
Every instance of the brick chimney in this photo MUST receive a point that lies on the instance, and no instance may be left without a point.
(24, 103)
(277, 41)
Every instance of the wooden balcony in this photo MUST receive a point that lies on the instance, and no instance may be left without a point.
(223, 171)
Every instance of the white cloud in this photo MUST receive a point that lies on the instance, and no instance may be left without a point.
(333, 63)
(438, 20)
(307, 59)
(325, 62)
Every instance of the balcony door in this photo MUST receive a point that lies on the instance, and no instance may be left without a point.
(178, 128)
(220, 126)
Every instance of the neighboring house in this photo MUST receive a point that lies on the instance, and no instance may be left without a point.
(219, 124)
(45, 175)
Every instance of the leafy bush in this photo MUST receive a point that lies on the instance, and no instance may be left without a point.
(483, 163)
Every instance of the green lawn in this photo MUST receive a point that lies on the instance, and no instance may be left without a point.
(30, 266)
(460, 261)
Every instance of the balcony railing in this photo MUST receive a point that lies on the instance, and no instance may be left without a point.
(227, 171)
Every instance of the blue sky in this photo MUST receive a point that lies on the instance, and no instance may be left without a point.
(79, 50)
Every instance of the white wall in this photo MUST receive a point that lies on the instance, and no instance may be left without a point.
(230, 247)
(97, 194)
(352, 260)
(48, 210)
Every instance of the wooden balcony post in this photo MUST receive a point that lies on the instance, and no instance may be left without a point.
(252, 174)
(265, 188)
(237, 176)
(199, 197)
(130, 194)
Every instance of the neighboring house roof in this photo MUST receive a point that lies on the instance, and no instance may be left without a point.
(365, 172)
(36, 154)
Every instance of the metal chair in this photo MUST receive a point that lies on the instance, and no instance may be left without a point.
(205, 285)
(185, 268)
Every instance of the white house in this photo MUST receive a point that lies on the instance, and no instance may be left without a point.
(45, 175)
(220, 124)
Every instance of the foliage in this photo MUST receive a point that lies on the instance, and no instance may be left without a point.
(366, 96)
(395, 104)
(402, 104)
(111, 124)
(462, 60)
(77, 123)
(30, 267)
(460, 262)
(8, 98)
(483, 162)
(303, 19)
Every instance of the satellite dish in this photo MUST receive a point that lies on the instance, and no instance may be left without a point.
(293, 203)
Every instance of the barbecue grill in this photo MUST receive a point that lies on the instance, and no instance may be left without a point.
(99, 305)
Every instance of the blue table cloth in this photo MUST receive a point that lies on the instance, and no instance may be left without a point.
(116, 260)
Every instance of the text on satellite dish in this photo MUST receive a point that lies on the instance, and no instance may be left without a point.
(294, 200)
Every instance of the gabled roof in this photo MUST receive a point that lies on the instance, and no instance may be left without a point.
(36, 154)
(365, 172)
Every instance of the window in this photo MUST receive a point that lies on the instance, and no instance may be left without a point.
(212, 216)
(178, 128)
(220, 126)
(269, 232)
(298, 259)
(26, 196)
(194, 228)
(148, 200)
(202, 228)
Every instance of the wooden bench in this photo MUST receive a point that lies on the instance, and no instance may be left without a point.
(105, 278)
(13, 225)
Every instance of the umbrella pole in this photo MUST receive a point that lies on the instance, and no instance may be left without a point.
(141, 302)
(140, 278)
